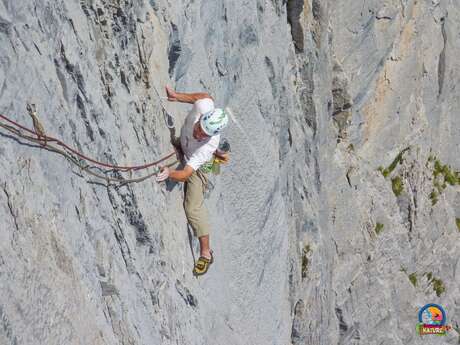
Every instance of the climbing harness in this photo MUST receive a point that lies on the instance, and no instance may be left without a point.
(214, 166)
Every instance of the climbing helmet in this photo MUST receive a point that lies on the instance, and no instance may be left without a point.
(214, 121)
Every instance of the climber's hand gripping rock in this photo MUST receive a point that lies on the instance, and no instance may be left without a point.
(163, 174)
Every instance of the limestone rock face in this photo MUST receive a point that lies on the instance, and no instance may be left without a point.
(337, 218)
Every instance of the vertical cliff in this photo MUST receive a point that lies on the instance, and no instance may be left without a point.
(336, 220)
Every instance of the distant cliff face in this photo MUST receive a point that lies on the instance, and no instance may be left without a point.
(336, 220)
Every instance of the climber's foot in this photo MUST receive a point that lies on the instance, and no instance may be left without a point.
(202, 264)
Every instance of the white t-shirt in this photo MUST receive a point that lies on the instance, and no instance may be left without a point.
(198, 152)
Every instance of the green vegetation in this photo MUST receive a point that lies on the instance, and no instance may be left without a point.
(457, 221)
(438, 168)
(397, 160)
(450, 177)
(386, 172)
(442, 175)
(396, 182)
(306, 249)
(397, 185)
(437, 284)
(413, 278)
(378, 228)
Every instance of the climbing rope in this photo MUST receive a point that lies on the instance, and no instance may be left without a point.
(45, 142)
(169, 121)
(82, 156)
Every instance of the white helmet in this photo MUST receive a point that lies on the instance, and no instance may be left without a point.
(214, 121)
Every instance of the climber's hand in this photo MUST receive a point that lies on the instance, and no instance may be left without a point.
(223, 157)
(163, 174)
(172, 95)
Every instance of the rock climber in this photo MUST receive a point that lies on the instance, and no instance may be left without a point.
(199, 141)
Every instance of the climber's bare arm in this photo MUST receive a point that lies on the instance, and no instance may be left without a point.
(174, 96)
(181, 175)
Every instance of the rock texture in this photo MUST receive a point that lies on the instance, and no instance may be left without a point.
(334, 223)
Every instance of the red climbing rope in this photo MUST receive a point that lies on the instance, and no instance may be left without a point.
(79, 154)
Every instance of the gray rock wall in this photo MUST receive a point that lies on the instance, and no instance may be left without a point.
(334, 222)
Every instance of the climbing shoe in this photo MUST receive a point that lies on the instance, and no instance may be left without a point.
(202, 265)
